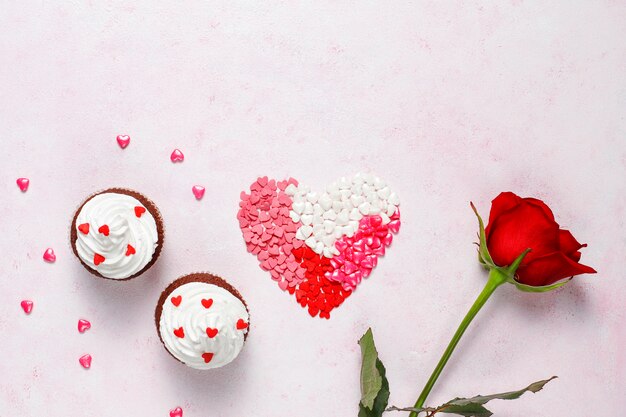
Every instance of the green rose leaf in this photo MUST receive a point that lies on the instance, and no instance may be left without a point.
(374, 384)
(473, 407)
(511, 395)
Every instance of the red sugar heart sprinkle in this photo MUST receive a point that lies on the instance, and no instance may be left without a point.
(139, 211)
(241, 324)
(130, 250)
(104, 229)
(83, 325)
(85, 361)
(180, 332)
(176, 412)
(211, 332)
(207, 357)
(84, 228)
(176, 300)
(207, 302)
(98, 259)
(27, 306)
(317, 293)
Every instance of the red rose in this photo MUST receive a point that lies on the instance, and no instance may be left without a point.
(516, 224)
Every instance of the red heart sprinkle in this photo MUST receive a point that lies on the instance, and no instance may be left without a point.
(23, 184)
(27, 306)
(123, 140)
(84, 228)
(211, 332)
(83, 325)
(98, 259)
(49, 255)
(139, 211)
(85, 361)
(207, 303)
(176, 300)
(179, 332)
(104, 229)
(241, 324)
(207, 357)
(130, 250)
(177, 412)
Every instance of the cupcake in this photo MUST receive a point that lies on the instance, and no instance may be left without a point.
(202, 321)
(117, 234)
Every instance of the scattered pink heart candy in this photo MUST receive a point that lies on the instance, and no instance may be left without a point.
(198, 191)
(123, 141)
(49, 255)
(85, 361)
(177, 156)
(176, 412)
(27, 306)
(83, 325)
(23, 183)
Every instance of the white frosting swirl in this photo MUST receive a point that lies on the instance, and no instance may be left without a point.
(225, 311)
(117, 211)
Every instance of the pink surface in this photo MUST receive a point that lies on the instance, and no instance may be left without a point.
(449, 103)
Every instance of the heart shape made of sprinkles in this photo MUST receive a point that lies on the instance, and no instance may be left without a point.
(319, 246)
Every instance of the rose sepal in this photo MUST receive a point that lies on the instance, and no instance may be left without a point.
(509, 271)
(483, 253)
(543, 288)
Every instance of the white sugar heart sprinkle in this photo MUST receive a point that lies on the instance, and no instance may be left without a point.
(337, 211)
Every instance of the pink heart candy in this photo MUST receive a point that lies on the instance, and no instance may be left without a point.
(23, 183)
(394, 226)
(177, 156)
(49, 255)
(27, 306)
(83, 325)
(85, 361)
(198, 191)
(123, 140)
(176, 412)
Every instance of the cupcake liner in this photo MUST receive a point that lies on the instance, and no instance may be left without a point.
(150, 206)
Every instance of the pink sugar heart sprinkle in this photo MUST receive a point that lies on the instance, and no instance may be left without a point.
(85, 361)
(83, 325)
(23, 183)
(27, 306)
(268, 230)
(177, 156)
(49, 255)
(123, 140)
(198, 191)
(176, 412)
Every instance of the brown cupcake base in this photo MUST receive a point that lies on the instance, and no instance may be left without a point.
(148, 204)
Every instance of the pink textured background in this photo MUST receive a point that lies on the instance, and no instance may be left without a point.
(450, 102)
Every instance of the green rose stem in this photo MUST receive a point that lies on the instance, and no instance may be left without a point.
(497, 276)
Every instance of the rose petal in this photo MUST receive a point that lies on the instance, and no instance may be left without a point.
(543, 206)
(524, 226)
(569, 245)
(503, 202)
(549, 269)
